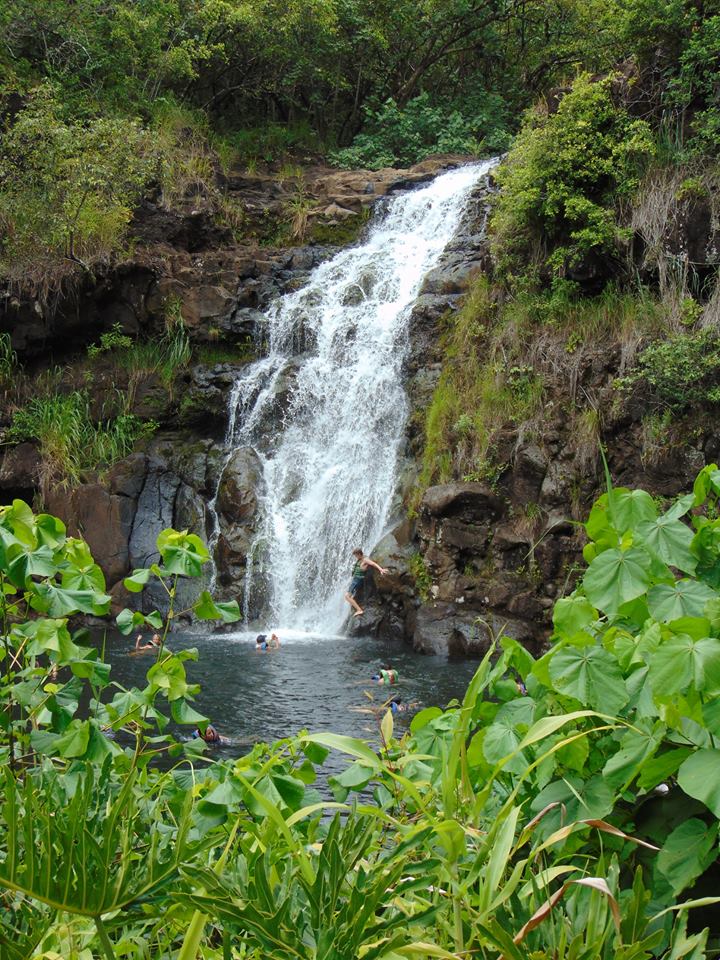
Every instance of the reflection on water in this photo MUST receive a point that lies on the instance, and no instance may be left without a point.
(312, 683)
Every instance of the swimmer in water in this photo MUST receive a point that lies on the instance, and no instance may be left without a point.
(210, 736)
(360, 568)
(262, 643)
(155, 642)
(386, 675)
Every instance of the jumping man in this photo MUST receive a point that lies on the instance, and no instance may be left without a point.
(358, 579)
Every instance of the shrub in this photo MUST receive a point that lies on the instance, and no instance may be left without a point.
(680, 372)
(563, 179)
(421, 576)
(567, 807)
(8, 360)
(67, 190)
(395, 135)
(697, 84)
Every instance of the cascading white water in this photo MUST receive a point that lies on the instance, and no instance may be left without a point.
(340, 343)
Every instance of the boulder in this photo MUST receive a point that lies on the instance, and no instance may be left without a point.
(241, 482)
(529, 468)
(205, 303)
(441, 631)
(102, 519)
(126, 477)
(155, 512)
(20, 471)
(447, 629)
(471, 501)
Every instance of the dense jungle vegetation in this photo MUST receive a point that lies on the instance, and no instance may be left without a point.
(567, 808)
(103, 101)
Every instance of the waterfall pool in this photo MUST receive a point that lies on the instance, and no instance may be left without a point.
(313, 683)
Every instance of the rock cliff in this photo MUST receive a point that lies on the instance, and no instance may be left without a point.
(473, 558)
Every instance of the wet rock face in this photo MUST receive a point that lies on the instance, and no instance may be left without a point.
(168, 486)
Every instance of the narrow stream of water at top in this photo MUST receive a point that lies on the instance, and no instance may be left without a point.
(338, 345)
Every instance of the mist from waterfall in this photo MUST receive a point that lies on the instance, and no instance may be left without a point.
(335, 354)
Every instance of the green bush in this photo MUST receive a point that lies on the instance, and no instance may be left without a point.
(563, 179)
(680, 372)
(394, 135)
(698, 82)
(67, 189)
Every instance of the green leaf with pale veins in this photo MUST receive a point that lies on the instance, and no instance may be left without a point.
(681, 662)
(615, 577)
(670, 539)
(631, 508)
(591, 675)
(573, 614)
(684, 598)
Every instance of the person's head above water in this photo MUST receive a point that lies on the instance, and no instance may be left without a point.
(261, 638)
(357, 552)
(156, 639)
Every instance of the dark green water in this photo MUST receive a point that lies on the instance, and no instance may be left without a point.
(311, 683)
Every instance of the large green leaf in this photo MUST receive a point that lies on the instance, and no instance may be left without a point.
(576, 799)
(573, 614)
(687, 852)
(591, 675)
(630, 508)
(615, 577)
(699, 777)
(59, 602)
(684, 598)
(90, 578)
(205, 608)
(681, 662)
(503, 736)
(182, 552)
(636, 746)
(670, 539)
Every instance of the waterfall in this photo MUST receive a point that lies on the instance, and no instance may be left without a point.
(335, 355)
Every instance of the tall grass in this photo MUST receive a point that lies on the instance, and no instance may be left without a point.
(71, 441)
(181, 137)
(8, 360)
(481, 388)
(164, 355)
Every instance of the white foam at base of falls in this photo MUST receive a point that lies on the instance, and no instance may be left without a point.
(336, 349)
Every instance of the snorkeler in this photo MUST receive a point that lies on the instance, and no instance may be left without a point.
(358, 579)
(386, 675)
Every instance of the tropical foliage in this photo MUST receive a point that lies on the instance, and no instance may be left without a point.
(101, 102)
(567, 808)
